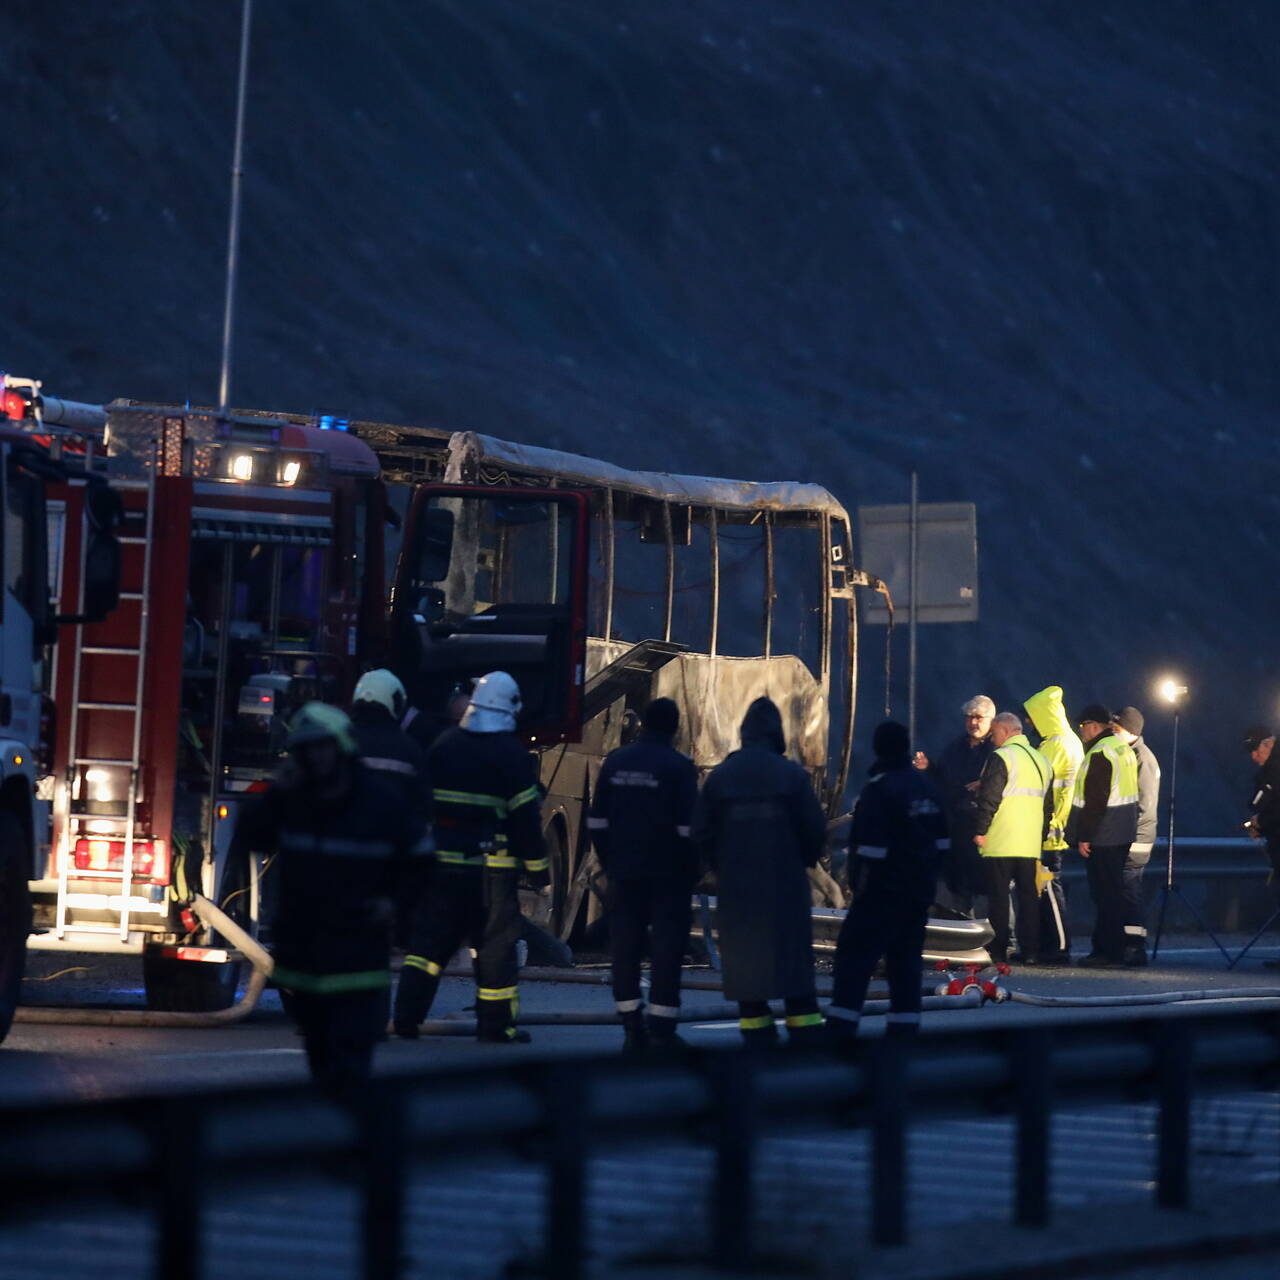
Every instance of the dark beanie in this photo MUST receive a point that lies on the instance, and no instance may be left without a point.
(1131, 720)
(891, 741)
(1096, 711)
(1255, 735)
(662, 716)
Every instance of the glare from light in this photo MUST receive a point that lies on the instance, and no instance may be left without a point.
(242, 466)
(292, 470)
(1171, 690)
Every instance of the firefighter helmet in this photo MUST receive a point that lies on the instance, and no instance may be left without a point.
(318, 721)
(495, 703)
(383, 688)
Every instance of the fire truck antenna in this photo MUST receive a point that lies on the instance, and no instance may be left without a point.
(233, 230)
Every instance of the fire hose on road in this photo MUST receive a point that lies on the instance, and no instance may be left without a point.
(211, 917)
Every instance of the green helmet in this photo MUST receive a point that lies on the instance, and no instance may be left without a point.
(318, 721)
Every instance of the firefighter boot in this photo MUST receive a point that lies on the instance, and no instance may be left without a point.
(496, 1020)
(635, 1036)
(662, 1033)
(759, 1031)
(841, 1027)
(806, 1030)
(902, 1026)
(419, 982)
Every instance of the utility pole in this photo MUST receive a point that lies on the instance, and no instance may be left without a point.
(233, 230)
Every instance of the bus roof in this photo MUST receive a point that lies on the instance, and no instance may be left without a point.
(468, 449)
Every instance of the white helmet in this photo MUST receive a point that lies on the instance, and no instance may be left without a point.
(495, 703)
(383, 688)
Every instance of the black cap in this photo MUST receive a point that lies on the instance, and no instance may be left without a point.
(1130, 719)
(662, 716)
(891, 741)
(1255, 735)
(1095, 711)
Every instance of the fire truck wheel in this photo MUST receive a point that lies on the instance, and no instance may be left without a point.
(15, 915)
(188, 986)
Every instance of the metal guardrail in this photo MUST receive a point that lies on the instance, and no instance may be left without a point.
(559, 1113)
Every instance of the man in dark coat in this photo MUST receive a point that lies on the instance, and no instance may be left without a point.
(348, 854)
(1265, 823)
(955, 773)
(759, 825)
(640, 819)
(896, 840)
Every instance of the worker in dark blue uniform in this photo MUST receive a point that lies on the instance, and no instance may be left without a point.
(488, 832)
(347, 854)
(639, 821)
(896, 842)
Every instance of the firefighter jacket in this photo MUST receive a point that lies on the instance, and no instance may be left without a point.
(1148, 797)
(1015, 801)
(642, 811)
(487, 803)
(759, 825)
(387, 751)
(899, 829)
(1104, 807)
(1060, 745)
(342, 868)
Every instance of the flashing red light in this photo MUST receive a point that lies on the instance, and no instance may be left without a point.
(15, 406)
(266, 698)
(150, 857)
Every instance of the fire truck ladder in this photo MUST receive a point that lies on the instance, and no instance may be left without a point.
(75, 817)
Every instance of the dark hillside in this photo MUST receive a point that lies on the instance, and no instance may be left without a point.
(1031, 250)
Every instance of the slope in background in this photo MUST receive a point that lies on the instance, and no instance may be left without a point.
(1030, 251)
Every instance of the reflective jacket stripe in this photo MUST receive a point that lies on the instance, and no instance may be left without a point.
(477, 798)
(536, 864)
(421, 962)
(527, 796)
(328, 984)
(384, 764)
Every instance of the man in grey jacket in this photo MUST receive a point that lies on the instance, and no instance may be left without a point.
(1127, 726)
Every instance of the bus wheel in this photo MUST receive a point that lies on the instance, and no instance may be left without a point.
(15, 915)
(188, 986)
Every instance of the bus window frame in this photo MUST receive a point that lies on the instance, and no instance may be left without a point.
(570, 728)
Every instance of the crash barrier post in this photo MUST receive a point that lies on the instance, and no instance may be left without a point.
(559, 1113)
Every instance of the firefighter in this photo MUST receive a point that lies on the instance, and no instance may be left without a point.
(346, 852)
(1060, 746)
(1015, 812)
(759, 825)
(377, 707)
(1102, 826)
(639, 821)
(896, 842)
(1128, 725)
(488, 826)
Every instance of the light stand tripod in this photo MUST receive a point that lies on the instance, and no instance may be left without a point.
(1173, 694)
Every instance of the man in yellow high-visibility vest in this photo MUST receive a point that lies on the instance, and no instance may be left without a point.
(1103, 824)
(1015, 808)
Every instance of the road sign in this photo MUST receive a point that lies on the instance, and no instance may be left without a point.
(948, 558)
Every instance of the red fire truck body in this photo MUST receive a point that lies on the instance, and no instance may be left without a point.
(252, 553)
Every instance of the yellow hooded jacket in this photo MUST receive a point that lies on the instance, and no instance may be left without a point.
(1063, 749)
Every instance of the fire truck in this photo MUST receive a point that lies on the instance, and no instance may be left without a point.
(251, 582)
(43, 494)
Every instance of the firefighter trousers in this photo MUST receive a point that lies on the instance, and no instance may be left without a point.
(339, 1032)
(804, 1021)
(476, 907)
(887, 918)
(653, 916)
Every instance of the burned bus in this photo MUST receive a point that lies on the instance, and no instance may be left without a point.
(598, 589)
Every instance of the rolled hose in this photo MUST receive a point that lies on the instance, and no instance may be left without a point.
(212, 917)
(1154, 997)
(457, 1026)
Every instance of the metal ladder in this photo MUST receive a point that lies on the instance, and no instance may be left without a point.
(73, 819)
